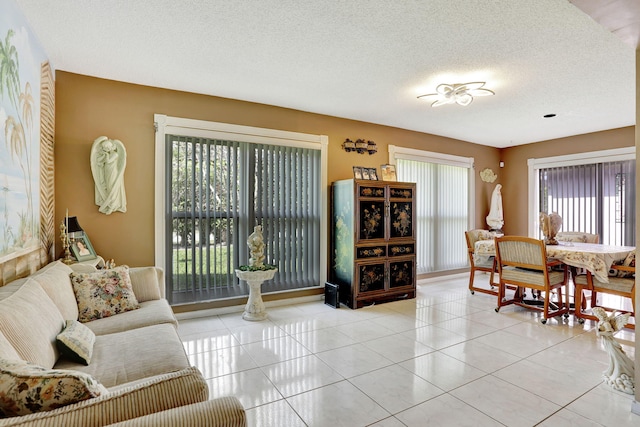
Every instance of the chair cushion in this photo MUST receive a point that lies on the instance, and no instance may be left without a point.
(618, 284)
(76, 342)
(531, 276)
(27, 388)
(103, 293)
(579, 238)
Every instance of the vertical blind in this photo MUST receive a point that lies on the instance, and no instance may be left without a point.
(442, 213)
(219, 190)
(594, 198)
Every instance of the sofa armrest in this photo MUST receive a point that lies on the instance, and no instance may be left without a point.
(221, 412)
(160, 393)
(147, 282)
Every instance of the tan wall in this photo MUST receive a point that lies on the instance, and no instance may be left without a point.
(514, 183)
(88, 107)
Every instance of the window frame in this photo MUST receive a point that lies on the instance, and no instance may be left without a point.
(224, 131)
(396, 152)
(589, 157)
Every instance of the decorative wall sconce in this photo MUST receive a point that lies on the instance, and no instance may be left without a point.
(348, 145)
(360, 146)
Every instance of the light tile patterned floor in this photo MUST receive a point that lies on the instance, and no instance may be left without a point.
(444, 358)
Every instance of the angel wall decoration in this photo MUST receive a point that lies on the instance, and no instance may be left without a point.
(108, 161)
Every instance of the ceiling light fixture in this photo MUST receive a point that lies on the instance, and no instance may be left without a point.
(459, 93)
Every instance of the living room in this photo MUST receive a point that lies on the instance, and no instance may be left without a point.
(87, 107)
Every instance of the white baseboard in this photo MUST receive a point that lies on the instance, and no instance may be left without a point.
(240, 308)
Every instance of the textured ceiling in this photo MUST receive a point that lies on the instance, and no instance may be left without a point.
(362, 59)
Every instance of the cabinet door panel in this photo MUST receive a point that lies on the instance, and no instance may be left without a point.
(371, 220)
(401, 219)
(370, 277)
(402, 273)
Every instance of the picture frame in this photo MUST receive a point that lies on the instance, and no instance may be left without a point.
(373, 174)
(82, 249)
(357, 172)
(365, 173)
(388, 172)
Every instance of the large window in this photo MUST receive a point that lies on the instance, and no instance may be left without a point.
(444, 185)
(592, 192)
(217, 186)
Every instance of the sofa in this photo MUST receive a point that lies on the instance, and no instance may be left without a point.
(99, 348)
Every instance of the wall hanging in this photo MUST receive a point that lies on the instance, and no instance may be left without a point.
(108, 161)
(360, 146)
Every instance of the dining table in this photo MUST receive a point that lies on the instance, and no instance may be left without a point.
(594, 257)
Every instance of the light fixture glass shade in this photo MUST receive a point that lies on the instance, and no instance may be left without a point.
(459, 93)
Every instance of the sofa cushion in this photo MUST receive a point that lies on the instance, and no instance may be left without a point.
(27, 388)
(31, 321)
(147, 283)
(149, 313)
(6, 349)
(134, 354)
(76, 342)
(54, 279)
(155, 394)
(103, 293)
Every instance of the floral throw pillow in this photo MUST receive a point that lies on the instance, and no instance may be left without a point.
(76, 342)
(103, 293)
(26, 388)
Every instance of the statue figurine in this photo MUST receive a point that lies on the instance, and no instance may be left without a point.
(495, 219)
(620, 373)
(256, 247)
(550, 225)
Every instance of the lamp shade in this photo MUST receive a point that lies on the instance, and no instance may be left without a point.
(72, 225)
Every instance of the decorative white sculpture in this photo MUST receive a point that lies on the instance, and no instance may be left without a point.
(550, 225)
(495, 219)
(256, 247)
(620, 373)
(108, 161)
(254, 274)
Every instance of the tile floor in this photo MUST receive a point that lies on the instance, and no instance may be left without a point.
(444, 358)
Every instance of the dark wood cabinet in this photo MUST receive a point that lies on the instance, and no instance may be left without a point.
(373, 241)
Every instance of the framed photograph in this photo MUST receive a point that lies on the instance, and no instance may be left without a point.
(388, 172)
(357, 172)
(365, 173)
(81, 248)
(373, 174)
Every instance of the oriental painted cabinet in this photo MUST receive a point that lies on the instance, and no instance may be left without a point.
(373, 241)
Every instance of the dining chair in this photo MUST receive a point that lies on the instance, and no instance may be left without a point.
(484, 265)
(622, 284)
(523, 262)
(577, 236)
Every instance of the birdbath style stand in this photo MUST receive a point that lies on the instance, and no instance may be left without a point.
(254, 310)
